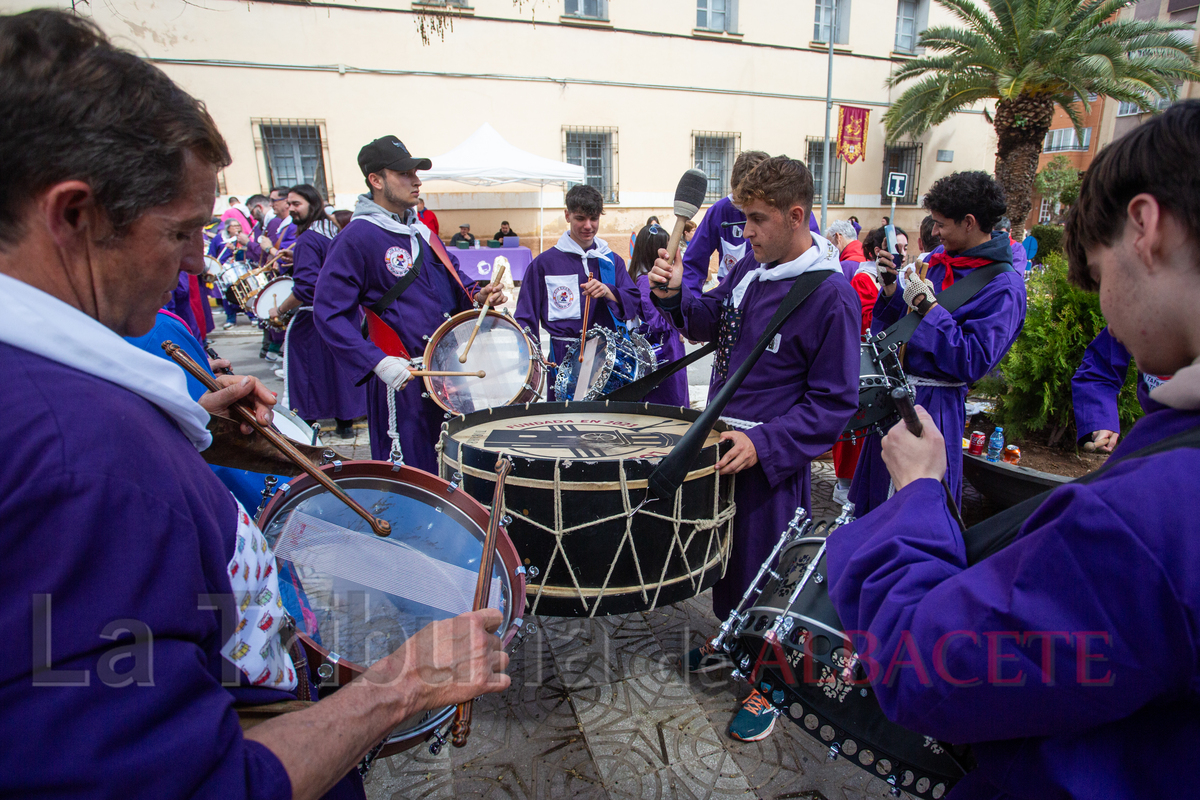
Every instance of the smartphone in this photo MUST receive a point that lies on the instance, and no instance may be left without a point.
(889, 230)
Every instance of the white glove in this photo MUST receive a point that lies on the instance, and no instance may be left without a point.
(914, 287)
(394, 372)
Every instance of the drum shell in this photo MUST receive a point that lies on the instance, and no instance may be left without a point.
(344, 670)
(591, 490)
(247, 286)
(875, 384)
(811, 688)
(232, 272)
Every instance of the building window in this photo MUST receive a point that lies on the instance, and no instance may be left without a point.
(1066, 139)
(825, 15)
(816, 164)
(594, 149)
(717, 15)
(588, 9)
(904, 158)
(906, 26)
(1127, 109)
(713, 154)
(1045, 211)
(294, 151)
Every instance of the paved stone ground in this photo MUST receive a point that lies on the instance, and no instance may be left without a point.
(597, 708)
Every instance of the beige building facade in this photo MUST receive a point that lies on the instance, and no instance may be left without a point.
(635, 90)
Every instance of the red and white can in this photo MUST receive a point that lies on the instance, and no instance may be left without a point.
(978, 443)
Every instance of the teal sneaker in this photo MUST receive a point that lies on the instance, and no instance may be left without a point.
(707, 658)
(755, 721)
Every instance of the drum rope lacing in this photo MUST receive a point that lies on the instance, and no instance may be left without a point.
(287, 337)
(712, 525)
(740, 424)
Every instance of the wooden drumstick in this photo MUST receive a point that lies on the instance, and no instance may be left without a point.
(460, 729)
(434, 373)
(496, 278)
(587, 305)
(381, 526)
(278, 255)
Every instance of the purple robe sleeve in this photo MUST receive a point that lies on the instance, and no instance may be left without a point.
(944, 349)
(899, 581)
(336, 310)
(887, 310)
(629, 299)
(698, 315)
(307, 258)
(254, 253)
(657, 321)
(790, 441)
(288, 238)
(705, 240)
(1097, 383)
(531, 303)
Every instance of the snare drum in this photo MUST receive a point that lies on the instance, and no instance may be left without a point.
(230, 273)
(250, 284)
(512, 362)
(212, 269)
(619, 360)
(270, 296)
(878, 374)
(290, 425)
(370, 594)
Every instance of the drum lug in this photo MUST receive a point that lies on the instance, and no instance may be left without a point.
(521, 636)
(316, 429)
(455, 480)
(818, 577)
(834, 751)
(533, 572)
(425, 338)
(424, 395)
(506, 520)
(895, 790)
(287, 487)
(267, 491)
(439, 741)
(445, 315)
(328, 457)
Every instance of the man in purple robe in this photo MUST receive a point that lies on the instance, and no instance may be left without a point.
(580, 270)
(1067, 659)
(128, 647)
(1095, 387)
(383, 241)
(799, 395)
(277, 234)
(318, 386)
(948, 351)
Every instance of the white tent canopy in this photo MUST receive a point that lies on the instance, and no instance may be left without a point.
(487, 159)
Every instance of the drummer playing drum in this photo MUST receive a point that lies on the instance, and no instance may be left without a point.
(800, 394)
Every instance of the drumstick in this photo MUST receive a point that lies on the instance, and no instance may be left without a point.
(277, 255)
(284, 445)
(433, 373)
(689, 197)
(496, 278)
(461, 727)
(587, 305)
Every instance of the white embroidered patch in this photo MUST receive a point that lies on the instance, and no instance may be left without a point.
(255, 647)
(398, 261)
(773, 347)
(562, 297)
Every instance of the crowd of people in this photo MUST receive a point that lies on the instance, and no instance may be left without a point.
(1067, 659)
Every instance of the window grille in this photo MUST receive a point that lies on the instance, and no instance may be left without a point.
(294, 151)
(904, 158)
(588, 9)
(713, 153)
(825, 14)
(837, 175)
(594, 149)
(1066, 139)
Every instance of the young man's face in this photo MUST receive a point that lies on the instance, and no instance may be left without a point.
(583, 227)
(901, 245)
(401, 189)
(768, 230)
(955, 235)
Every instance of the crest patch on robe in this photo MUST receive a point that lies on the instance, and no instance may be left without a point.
(398, 261)
(562, 297)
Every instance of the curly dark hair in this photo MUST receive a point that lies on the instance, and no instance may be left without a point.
(586, 199)
(876, 239)
(962, 193)
(1160, 158)
(929, 239)
(73, 106)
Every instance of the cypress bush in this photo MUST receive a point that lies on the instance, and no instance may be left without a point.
(1033, 388)
(1050, 239)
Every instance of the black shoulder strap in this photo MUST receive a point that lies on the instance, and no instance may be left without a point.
(997, 532)
(951, 299)
(634, 392)
(385, 302)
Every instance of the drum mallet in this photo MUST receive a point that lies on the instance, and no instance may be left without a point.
(689, 196)
(381, 527)
(497, 276)
(908, 413)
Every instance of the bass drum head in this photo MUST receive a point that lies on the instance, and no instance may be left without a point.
(500, 349)
(294, 428)
(271, 296)
(364, 595)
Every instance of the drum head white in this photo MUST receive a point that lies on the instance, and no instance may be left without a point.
(294, 428)
(271, 296)
(595, 437)
(212, 267)
(499, 349)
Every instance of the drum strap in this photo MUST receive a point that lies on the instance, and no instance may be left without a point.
(999, 531)
(950, 299)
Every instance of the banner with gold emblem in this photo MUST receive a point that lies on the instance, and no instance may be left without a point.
(852, 133)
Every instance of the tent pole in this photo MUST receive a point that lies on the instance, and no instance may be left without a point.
(541, 216)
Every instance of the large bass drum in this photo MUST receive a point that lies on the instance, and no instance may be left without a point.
(579, 476)
(791, 646)
(361, 596)
(512, 363)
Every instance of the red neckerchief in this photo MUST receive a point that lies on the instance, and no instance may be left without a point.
(962, 262)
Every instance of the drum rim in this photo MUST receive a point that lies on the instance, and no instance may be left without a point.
(453, 322)
(602, 375)
(267, 285)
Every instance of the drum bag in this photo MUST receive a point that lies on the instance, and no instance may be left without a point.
(634, 392)
(999, 531)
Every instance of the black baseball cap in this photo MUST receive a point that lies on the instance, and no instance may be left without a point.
(388, 152)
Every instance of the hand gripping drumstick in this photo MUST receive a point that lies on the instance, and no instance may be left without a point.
(908, 413)
(689, 196)
(496, 278)
(284, 445)
(460, 729)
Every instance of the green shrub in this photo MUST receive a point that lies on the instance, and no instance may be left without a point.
(1050, 240)
(1033, 389)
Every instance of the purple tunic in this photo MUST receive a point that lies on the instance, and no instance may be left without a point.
(956, 348)
(180, 304)
(803, 392)
(134, 535)
(319, 387)
(660, 332)
(1103, 578)
(533, 304)
(356, 273)
(1098, 381)
(254, 252)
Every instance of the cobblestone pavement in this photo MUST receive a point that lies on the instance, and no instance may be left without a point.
(598, 708)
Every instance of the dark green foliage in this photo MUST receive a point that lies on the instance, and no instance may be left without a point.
(1050, 239)
(1033, 394)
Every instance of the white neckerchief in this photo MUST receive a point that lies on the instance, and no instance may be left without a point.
(1182, 390)
(568, 245)
(46, 326)
(821, 257)
(411, 226)
(869, 267)
(324, 227)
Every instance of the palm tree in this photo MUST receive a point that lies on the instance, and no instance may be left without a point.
(1028, 56)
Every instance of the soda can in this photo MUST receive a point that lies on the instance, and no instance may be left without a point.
(978, 442)
(1012, 454)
